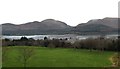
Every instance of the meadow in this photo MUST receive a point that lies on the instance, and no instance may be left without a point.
(58, 57)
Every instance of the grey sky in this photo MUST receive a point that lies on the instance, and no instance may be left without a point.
(72, 12)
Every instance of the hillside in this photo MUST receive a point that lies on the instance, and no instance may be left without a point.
(44, 27)
(51, 26)
(111, 22)
(99, 26)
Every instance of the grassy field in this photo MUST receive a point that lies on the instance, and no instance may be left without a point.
(60, 57)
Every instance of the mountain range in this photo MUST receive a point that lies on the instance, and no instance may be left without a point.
(51, 26)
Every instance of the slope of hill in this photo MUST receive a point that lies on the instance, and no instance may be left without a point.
(94, 28)
(51, 26)
(111, 22)
(48, 26)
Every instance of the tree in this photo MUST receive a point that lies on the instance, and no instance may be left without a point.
(51, 45)
(30, 42)
(77, 44)
(45, 38)
(7, 39)
(90, 43)
(100, 44)
(56, 42)
(6, 42)
(24, 39)
(46, 43)
(67, 45)
(25, 53)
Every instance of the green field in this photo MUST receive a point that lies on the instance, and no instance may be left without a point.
(60, 57)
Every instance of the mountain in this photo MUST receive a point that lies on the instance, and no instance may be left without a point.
(111, 22)
(48, 26)
(51, 26)
(9, 27)
(106, 25)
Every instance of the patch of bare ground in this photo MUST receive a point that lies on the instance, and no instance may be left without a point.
(114, 60)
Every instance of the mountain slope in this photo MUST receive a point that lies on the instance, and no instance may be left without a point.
(93, 28)
(44, 27)
(111, 22)
(51, 26)
(106, 25)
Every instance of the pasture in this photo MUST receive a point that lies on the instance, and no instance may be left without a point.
(58, 57)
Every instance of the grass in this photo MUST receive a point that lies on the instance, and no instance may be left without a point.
(60, 57)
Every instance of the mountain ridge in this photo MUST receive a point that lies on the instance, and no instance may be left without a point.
(52, 26)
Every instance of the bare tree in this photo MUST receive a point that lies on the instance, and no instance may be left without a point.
(90, 43)
(25, 53)
(76, 45)
(51, 45)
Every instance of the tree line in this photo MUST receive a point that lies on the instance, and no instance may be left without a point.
(100, 43)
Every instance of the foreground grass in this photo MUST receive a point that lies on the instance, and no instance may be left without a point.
(60, 57)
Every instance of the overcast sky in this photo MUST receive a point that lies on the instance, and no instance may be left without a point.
(72, 12)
